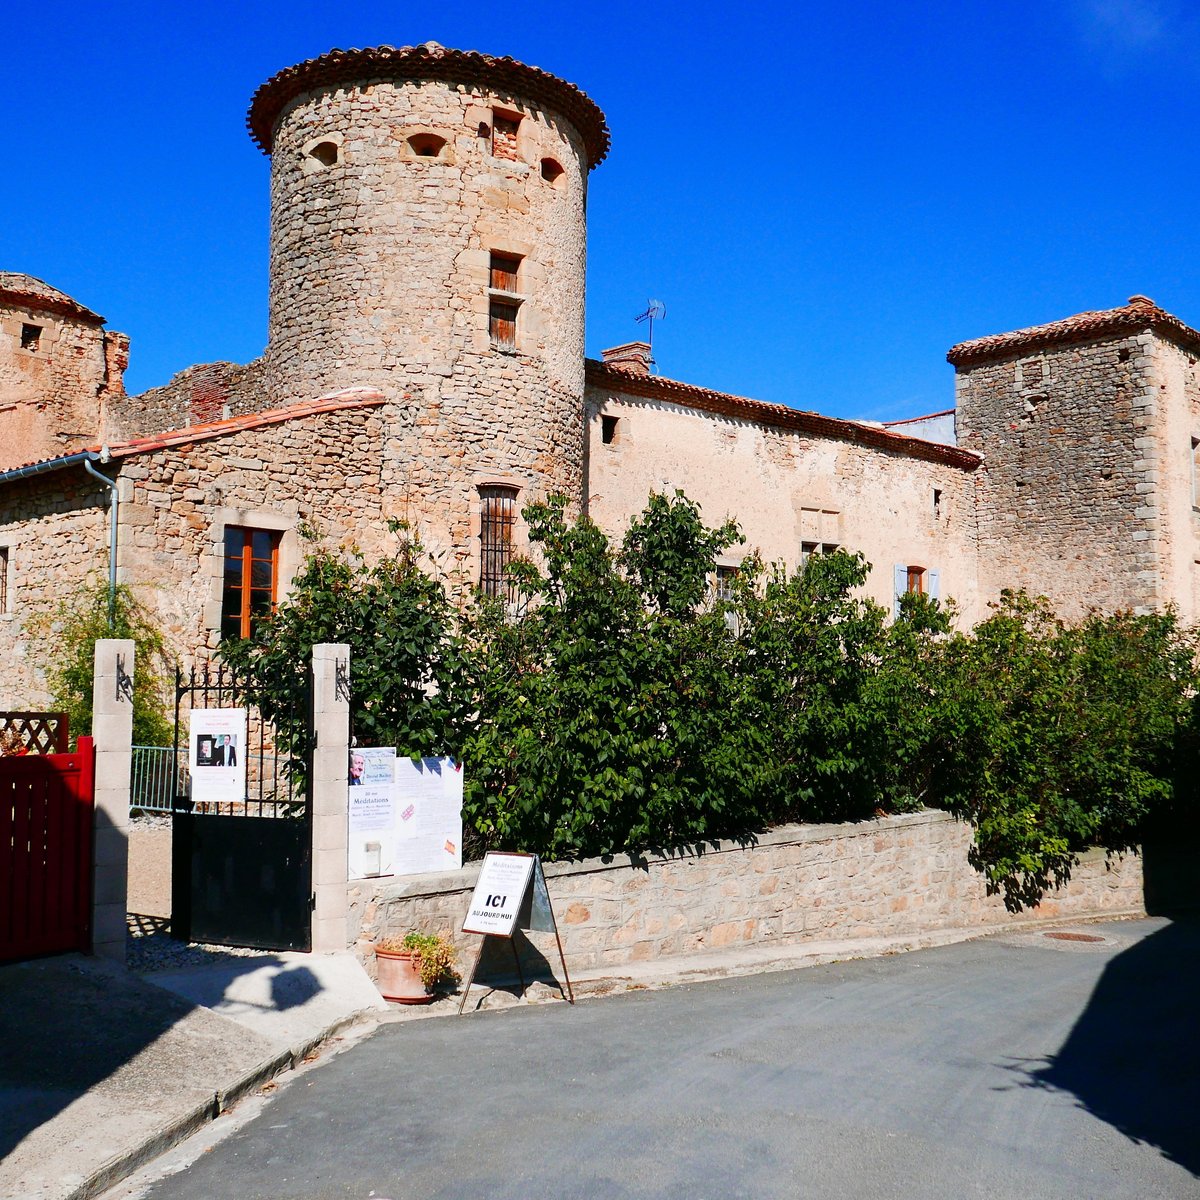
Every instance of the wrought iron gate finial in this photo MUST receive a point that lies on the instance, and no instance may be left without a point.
(341, 679)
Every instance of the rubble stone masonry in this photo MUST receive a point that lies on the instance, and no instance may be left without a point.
(175, 502)
(1069, 499)
(387, 204)
(903, 878)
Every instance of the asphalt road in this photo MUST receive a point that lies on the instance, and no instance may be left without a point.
(1012, 1067)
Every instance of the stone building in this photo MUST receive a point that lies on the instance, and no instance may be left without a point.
(425, 361)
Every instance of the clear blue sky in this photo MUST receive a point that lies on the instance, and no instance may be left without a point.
(826, 196)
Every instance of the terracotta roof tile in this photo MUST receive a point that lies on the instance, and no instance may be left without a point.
(334, 402)
(29, 292)
(655, 387)
(1140, 313)
(430, 61)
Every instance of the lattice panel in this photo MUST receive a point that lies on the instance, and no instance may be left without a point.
(34, 733)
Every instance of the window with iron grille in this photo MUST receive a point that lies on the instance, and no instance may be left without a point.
(251, 583)
(4, 565)
(498, 514)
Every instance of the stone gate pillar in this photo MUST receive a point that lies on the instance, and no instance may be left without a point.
(112, 729)
(330, 763)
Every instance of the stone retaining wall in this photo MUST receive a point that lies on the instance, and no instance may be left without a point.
(898, 877)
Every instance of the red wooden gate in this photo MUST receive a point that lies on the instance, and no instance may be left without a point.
(46, 804)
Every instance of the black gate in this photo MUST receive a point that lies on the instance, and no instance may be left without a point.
(241, 868)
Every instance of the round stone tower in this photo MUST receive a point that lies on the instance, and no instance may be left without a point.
(428, 238)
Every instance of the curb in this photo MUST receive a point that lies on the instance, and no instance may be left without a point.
(183, 1127)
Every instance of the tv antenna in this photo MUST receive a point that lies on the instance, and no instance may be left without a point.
(654, 308)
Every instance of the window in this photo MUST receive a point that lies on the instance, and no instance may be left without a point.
(917, 581)
(504, 135)
(552, 171)
(504, 271)
(497, 517)
(608, 430)
(251, 581)
(31, 337)
(724, 585)
(502, 310)
(325, 153)
(937, 504)
(426, 145)
(4, 565)
(808, 549)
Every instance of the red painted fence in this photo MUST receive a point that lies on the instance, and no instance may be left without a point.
(46, 806)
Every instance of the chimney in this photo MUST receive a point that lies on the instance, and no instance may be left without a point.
(633, 357)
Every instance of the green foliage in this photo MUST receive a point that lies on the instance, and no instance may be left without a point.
(617, 707)
(604, 702)
(1050, 738)
(405, 666)
(70, 634)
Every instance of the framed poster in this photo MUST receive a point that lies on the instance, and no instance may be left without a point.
(217, 755)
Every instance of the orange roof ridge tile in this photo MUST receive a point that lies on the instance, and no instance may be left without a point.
(780, 415)
(333, 402)
(1140, 313)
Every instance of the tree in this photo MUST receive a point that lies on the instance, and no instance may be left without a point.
(70, 634)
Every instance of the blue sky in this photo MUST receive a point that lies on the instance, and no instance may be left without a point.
(825, 196)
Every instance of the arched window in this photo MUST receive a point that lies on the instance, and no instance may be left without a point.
(326, 153)
(552, 172)
(426, 145)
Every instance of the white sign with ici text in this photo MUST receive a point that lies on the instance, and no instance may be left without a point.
(496, 901)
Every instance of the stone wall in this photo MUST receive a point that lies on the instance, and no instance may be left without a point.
(786, 488)
(201, 394)
(176, 501)
(903, 877)
(1072, 460)
(55, 392)
(387, 202)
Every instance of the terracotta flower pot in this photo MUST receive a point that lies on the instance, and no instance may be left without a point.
(398, 978)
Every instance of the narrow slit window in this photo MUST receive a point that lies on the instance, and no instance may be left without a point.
(251, 581)
(498, 514)
(1195, 472)
(5, 557)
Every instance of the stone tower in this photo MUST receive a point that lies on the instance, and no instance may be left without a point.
(428, 238)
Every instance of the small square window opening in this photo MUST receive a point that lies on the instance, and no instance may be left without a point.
(504, 136)
(31, 337)
(608, 430)
(504, 271)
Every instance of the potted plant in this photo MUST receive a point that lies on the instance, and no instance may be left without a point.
(409, 968)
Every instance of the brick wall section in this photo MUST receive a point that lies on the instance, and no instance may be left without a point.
(786, 487)
(202, 393)
(903, 877)
(175, 503)
(54, 399)
(1068, 495)
(380, 277)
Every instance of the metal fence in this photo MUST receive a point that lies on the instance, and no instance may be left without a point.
(160, 774)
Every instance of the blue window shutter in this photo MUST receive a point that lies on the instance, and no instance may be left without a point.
(901, 586)
(933, 583)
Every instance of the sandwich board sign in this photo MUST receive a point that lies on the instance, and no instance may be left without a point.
(511, 894)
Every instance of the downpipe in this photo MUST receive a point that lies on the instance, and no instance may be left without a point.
(112, 539)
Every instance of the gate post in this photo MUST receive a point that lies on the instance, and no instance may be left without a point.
(330, 799)
(112, 729)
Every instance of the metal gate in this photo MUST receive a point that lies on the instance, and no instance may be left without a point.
(46, 807)
(241, 868)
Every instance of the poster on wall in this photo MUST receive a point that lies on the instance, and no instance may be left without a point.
(429, 796)
(217, 755)
(371, 789)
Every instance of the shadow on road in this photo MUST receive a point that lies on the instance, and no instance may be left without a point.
(1133, 1057)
